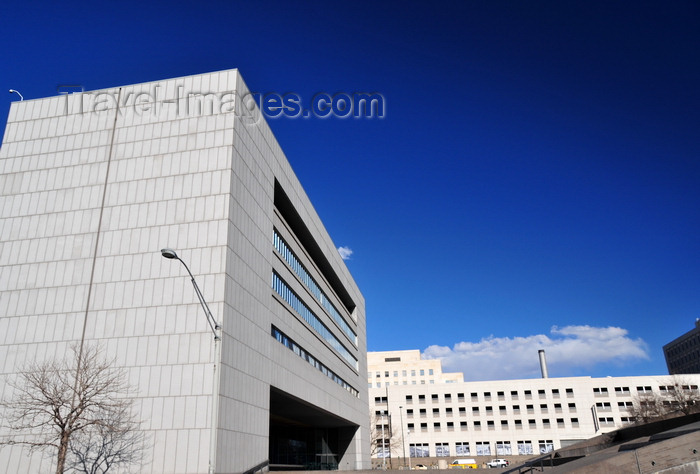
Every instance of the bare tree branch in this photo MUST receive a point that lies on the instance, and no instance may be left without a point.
(67, 406)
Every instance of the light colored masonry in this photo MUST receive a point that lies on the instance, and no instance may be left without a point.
(429, 413)
(92, 186)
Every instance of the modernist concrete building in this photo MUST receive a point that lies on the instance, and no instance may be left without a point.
(683, 353)
(428, 413)
(94, 185)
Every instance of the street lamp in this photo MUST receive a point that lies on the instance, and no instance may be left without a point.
(216, 329)
(403, 440)
(12, 91)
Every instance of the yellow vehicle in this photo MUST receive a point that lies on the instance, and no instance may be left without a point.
(466, 463)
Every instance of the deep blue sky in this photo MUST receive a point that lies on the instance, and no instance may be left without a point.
(538, 165)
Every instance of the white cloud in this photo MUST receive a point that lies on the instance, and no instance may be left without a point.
(567, 349)
(345, 252)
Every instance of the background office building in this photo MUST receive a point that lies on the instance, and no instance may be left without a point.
(93, 185)
(683, 353)
(429, 413)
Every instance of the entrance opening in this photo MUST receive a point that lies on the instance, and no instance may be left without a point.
(304, 437)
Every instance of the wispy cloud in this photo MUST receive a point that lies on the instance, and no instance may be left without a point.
(567, 349)
(345, 252)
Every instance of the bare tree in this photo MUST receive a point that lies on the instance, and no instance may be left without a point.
(678, 397)
(55, 403)
(382, 439)
(116, 441)
(646, 407)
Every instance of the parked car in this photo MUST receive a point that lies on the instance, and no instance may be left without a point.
(467, 463)
(420, 467)
(498, 463)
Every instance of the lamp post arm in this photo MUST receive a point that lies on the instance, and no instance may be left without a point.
(205, 307)
(207, 312)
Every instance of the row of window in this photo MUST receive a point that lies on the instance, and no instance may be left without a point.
(487, 396)
(301, 352)
(482, 448)
(491, 424)
(298, 268)
(404, 373)
(297, 305)
(489, 410)
(405, 382)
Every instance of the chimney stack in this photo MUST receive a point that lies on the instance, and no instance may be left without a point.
(543, 364)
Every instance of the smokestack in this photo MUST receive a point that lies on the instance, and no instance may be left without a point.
(543, 364)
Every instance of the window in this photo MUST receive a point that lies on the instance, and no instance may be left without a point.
(501, 395)
(386, 374)
(430, 372)
(528, 394)
(403, 373)
(502, 409)
(409, 413)
(396, 373)
(555, 392)
(503, 448)
(483, 448)
(644, 389)
(569, 392)
(413, 373)
(422, 412)
(543, 408)
(302, 310)
(490, 425)
(525, 448)
(442, 450)
(424, 427)
(434, 397)
(461, 448)
(463, 425)
(572, 406)
(487, 396)
(574, 422)
(516, 409)
(301, 352)
(541, 393)
(421, 398)
(603, 406)
(546, 446)
(530, 408)
(286, 253)
(450, 426)
(600, 391)
(410, 426)
(532, 424)
(422, 372)
(545, 423)
(518, 424)
(436, 412)
(504, 424)
(419, 450)
(460, 397)
(448, 397)
(475, 397)
(514, 394)
(436, 426)
(620, 391)
(557, 407)
(489, 410)
(462, 411)
(624, 405)
(448, 411)
(560, 422)
(475, 410)
(477, 425)
(409, 398)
